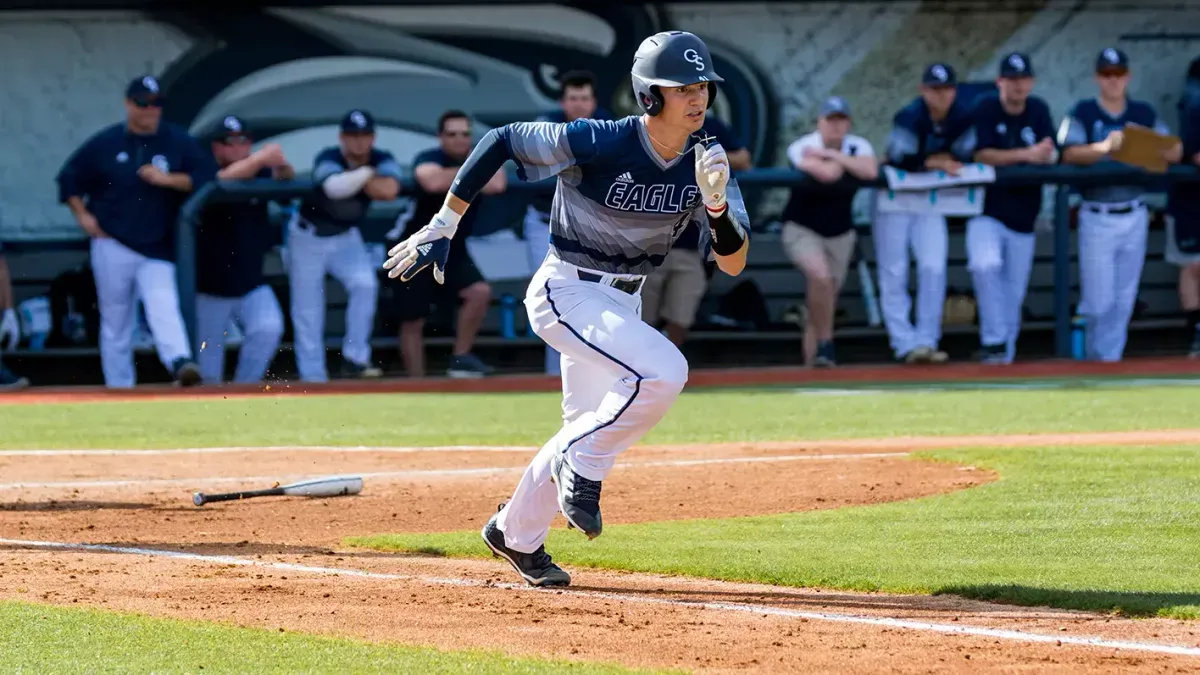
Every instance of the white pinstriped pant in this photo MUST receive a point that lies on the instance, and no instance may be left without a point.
(1112, 252)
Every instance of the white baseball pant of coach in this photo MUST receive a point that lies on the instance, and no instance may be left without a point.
(261, 320)
(122, 276)
(537, 237)
(924, 234)
(620, 377)
(344, 257)
(1000, 261)
(1112, 251)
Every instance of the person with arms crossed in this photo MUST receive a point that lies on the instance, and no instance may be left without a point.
(434, 171)
(625, 191)
(231, 241)
(1113, 220)
(933, 133)
(1011, 127)
(818, 222)
(673, 292)
(577, 101)
(10, 327)
(125, 186)
(323, 238)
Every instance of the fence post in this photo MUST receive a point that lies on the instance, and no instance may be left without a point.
(1062, 271)
(185, 260)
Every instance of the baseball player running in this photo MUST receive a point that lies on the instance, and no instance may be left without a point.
(1010, 128)
(626, 189)
(931, 133)
(1113, 220)
(323, 237)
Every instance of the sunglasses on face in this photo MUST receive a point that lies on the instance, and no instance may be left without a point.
(237, 140)
(143, 102)
(1107, 74)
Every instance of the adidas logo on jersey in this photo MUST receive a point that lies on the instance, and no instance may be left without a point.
(625, 178)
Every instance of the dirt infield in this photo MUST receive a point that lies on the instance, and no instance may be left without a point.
(278, 563)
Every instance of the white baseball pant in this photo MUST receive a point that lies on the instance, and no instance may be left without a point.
(1000, 261)
(122, 276)
(344, 257)
(924, 234)
(620, 377)
(1112, 251)
(261, 319)
(537, 237)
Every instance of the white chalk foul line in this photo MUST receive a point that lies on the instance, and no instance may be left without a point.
(975, 631)
(152, 452)
(415, 473)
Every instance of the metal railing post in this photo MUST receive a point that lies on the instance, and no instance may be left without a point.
(185, 260)
(1062, 271)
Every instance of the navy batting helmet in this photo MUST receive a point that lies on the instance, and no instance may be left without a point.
(671, 59)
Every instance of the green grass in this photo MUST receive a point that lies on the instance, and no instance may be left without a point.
(1112, 529)
(528, 419)
(41, 639)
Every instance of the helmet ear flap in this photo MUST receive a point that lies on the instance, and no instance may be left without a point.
(649, 98)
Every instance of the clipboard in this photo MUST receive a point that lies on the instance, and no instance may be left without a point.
(1143, 147)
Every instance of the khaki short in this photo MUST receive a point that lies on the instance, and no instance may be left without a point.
(808, 250)
(673, 291)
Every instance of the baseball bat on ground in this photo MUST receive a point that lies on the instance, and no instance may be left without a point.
(332, 486)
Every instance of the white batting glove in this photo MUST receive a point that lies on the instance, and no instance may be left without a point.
(10, 330)
(712, 175)
(428, 246)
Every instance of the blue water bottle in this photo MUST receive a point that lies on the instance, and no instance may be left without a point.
(508, 317)
(1079, 338)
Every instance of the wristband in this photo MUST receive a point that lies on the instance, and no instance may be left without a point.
(727, 236)
(447, 216)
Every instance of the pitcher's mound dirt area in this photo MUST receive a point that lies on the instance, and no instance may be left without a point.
(143, 501)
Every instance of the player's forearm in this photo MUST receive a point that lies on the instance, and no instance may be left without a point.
(435, 179)
(347, 183)
(739, 160)
(941, 161)
(179, 181)
(78, 208)
(997, 157)
(481, 165)
(382, 188)
(734, 263)
(1084, 155)
(863, 168)
(730, 243)
(243, 169)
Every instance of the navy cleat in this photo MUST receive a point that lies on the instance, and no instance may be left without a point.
(186, 372)
(578, 497)
(537, 569)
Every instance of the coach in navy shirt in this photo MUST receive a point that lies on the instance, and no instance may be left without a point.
(1011, 127)
(673, 292)
(125, 186)
(231, 242)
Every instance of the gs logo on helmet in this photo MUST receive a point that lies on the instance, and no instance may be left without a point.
(692, 56)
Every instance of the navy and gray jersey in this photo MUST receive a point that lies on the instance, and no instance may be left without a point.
(915, 135)
(1017, 207)
(619, 206)
(543, 196)
(1089, 123)
(334, 216)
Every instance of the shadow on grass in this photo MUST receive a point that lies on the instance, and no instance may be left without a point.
(1123, 603)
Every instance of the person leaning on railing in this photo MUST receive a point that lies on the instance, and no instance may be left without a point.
(10, 328)
(818, 222)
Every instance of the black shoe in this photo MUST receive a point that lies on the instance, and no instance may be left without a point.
(578, 497)
(358, 370)
(468, 366)
(825, 356)
(993, 354)
(9, 381)
(537, 569)
(186, 373)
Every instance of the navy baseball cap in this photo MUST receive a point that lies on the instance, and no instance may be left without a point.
(358, 122)
(1112, 59)
(939, 75)
(145, 91)
(1016, 64)
(232, 128)
(835, 105)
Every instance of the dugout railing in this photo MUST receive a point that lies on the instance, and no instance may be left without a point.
(1066, 178)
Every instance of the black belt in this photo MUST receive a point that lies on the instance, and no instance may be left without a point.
(629, 286)
(1128, 208)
